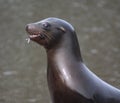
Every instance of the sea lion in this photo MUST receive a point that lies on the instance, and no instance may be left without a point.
(69, 79)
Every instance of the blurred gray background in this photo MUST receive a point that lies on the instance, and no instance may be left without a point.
(23, 66)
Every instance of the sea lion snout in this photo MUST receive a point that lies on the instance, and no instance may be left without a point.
(33, 29)
(30, 27)
(36, 33)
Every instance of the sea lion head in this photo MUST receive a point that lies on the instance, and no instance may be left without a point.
(48, 32)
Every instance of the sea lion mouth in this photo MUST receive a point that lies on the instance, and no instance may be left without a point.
(39, 35)
(36, 36)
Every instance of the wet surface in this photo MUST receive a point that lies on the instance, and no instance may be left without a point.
(23, 65)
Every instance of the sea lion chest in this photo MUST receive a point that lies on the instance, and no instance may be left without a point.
(60, 90)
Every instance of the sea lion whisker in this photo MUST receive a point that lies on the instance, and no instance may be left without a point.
(49, 36)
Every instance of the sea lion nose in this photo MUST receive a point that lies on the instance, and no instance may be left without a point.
(30, 27)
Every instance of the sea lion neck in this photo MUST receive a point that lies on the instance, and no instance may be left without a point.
(67, 48)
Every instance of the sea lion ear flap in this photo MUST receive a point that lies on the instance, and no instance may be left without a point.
(62, 29)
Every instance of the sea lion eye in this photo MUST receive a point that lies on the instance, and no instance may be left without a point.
(46, 25)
